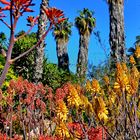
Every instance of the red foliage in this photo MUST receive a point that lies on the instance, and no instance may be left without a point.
(42, 137)
(4, 137)
(97, 133)
(93, 133)
(76, 129)
(60, 94)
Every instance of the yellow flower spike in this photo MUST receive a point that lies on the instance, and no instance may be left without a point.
(134, 84)
(119, 67)
(135, 73)
(116, 85)
(132, 60)
(61, 130)
(61, 111)
(86, 104)
(73, 98)
(95, 86)
(137, 52)
(103, 116)
(100, 108)
(122, 78)
(124, 67)
(88, 86)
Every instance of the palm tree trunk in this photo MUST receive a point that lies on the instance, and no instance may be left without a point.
(82, 55)
(39, 56)
(117, 37)
(62, 55)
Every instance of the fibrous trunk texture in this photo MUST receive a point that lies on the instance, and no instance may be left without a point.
(39, 56)
(82, 55)
(62, 54)
(117, 37)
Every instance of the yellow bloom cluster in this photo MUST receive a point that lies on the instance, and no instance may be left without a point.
(61, 130)
(100, 108)
(134, 80)
(73, 98)
(122, 81)
(105, 104)
(93, 86)
(61, 111)
(132, 60)
(87, 106)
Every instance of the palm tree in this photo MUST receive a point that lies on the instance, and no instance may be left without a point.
(85, 23)
(39, 56)
(117, 36)
(61, 33)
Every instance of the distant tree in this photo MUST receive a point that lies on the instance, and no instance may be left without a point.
(38, 69)
(85, 23)
(117, 36)
(61, 33)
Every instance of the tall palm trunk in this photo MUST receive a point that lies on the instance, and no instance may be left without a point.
(117, 37)
(39, 56)
(62, 55)
(83, 55)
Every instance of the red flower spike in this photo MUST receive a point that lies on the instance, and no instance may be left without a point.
(32, 20)
(6, 8)
(5, 2)
(18, 6)
(61, 20)
(28, 10)
(54, 15)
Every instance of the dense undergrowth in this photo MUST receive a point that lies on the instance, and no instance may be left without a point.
(106, 109)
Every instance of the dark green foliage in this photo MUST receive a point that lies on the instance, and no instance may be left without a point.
(62, 30)
(55, 77)
(85, 21)
(24, 66)
(52, 76)
(2, 39)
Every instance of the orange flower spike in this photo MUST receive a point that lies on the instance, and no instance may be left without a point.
(30, 19)
(61, 20)
(6, 8)
(5, 2)
(124, 67)
(28, 10)
(54, 15)
(18, 6)
(95, 86)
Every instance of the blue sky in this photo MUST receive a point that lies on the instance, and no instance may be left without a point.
(100, 7)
